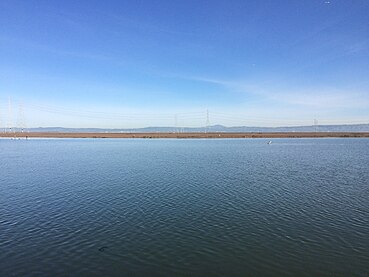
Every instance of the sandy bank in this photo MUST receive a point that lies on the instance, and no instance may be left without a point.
(188, 135)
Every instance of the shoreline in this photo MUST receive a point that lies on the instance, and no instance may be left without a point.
(188, 135)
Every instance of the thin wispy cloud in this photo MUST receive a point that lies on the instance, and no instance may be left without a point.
(318, 97)
(52, 49)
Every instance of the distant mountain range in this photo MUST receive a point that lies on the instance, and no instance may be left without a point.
(214, 128)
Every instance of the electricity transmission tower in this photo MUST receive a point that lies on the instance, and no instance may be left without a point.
(21, 120)
(175, 123)
(315, 125)
(10, 123)
(207, 124)
(1, 122)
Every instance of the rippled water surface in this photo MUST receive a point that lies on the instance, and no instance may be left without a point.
(184, 207)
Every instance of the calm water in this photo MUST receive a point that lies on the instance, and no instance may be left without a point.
(184, 207)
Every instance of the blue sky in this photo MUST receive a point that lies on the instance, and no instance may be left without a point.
(145, 63)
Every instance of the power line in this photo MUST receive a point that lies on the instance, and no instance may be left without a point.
(180, 118)
(80, 112)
